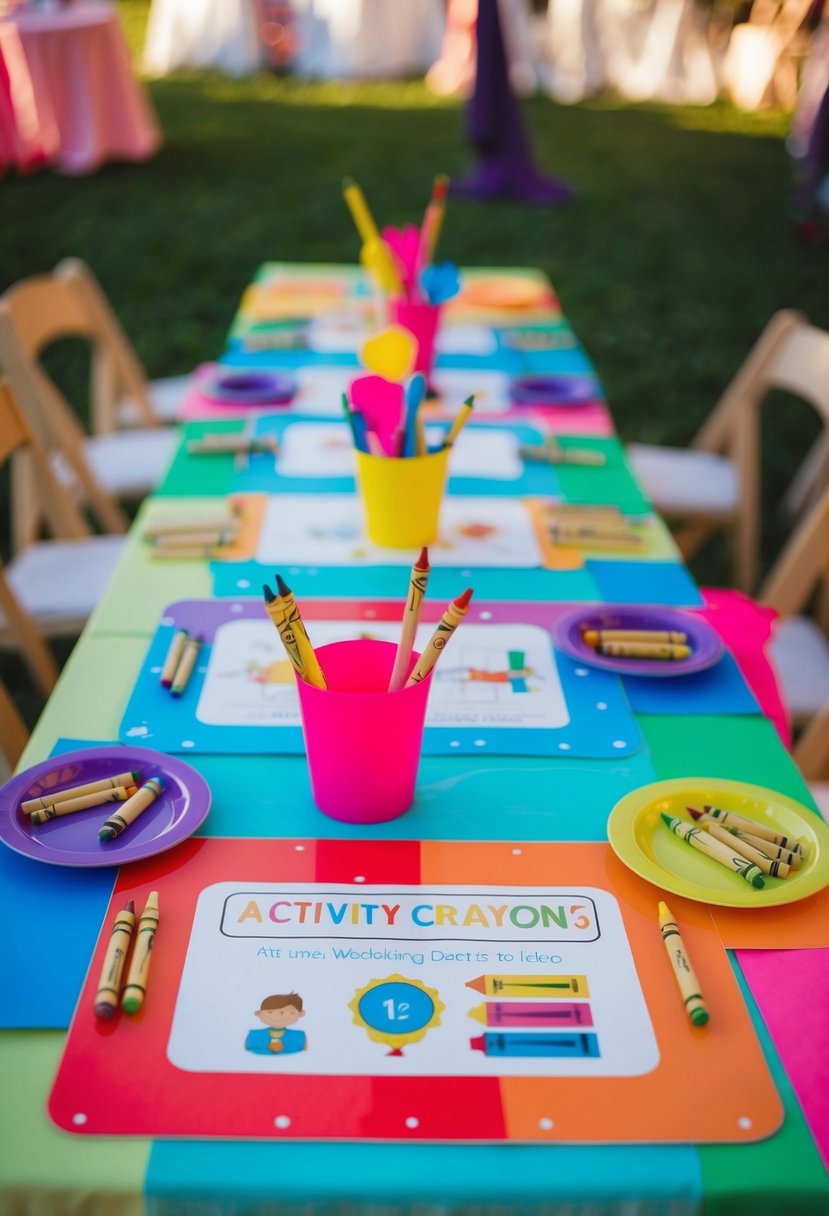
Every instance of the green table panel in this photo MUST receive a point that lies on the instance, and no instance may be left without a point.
(200, 475)
(141, 588)
(65, 1174)
(90, 696)
(739, 749)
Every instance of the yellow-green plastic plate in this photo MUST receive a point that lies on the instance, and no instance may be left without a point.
(647, 846)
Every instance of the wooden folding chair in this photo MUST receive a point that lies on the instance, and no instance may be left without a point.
(103, 469)
(49, 587)
(120, 393)
(715, 483)
(13, 734)
(798, 585)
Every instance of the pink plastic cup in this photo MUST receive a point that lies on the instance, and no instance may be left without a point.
(421, 320)
(362, 742)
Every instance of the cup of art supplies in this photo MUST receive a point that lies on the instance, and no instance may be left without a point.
(402, 497)
(421, 319)
(363, 742)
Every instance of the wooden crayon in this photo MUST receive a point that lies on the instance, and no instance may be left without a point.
(182, 553)
(775, 869)
(411, 615)
(742, 824)
(772, 851)
(293, 631)
(644, 650)
(553, 453)
(68, 806)
(593, 538)
(594, 636)
(173, 658)
(135, 988)
(185, 666)
(109, 985)
(77, 791)
(183, 523)
(175, 540)
(132, 808)
(684, 975)
(461, 419)
(704, 843)
(448, 623)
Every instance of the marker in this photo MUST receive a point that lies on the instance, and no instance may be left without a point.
(411, 615)
(68, 806)
(461, 419)
(683, 971)
(295, 638)
(532, 1013)
(77, 791)
(109, 985)
(185, 667)
(447, 625)
(136, 986)
(741, 824)
(774, 868)
(174, 653)
(530, 985)
(704, 843)
(534, 1045)
(132, 808)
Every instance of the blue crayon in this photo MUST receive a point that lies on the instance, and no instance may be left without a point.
(523, 1044)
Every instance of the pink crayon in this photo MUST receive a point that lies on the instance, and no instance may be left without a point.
(532, 1013)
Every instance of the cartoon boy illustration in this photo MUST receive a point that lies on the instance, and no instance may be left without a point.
(277, 1014)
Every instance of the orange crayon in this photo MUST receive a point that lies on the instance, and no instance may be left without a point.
(447, 625)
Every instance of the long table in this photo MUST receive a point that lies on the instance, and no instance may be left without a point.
(467, 798)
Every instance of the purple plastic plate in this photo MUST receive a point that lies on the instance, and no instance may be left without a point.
(73, 840)
(249, 388)
(706, 644)
(553, 390)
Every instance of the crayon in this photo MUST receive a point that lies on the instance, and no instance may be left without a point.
(68, 806)
(535, 1045)
(532, 1013)
(530, 985)
(703, 843)
(174, 653)
(432, 222)
(461, 419)
(775, 869)
(184, 540)
(109, 985)
(183, 523)
(182, 553)
(644, 650)
(135, 988)
(684, 975)
(295, 638)
(448, 623)
(599, 537)
(570, 512)
(772, 851)
(185, 666)
(551, 453)
(742, 824)
(594, 636)
(411, 614)
(264, 446)
(77, 791)
(132, 808)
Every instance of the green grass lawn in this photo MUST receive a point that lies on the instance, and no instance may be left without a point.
(678, 248)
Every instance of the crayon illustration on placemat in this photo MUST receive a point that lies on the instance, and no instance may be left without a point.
(502, 689)
(510, 963)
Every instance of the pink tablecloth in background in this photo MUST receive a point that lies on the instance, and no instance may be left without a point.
(67, 92)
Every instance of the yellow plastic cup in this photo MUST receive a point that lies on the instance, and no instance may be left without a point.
(402, 497)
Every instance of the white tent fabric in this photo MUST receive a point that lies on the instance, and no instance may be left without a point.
(221, 34)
